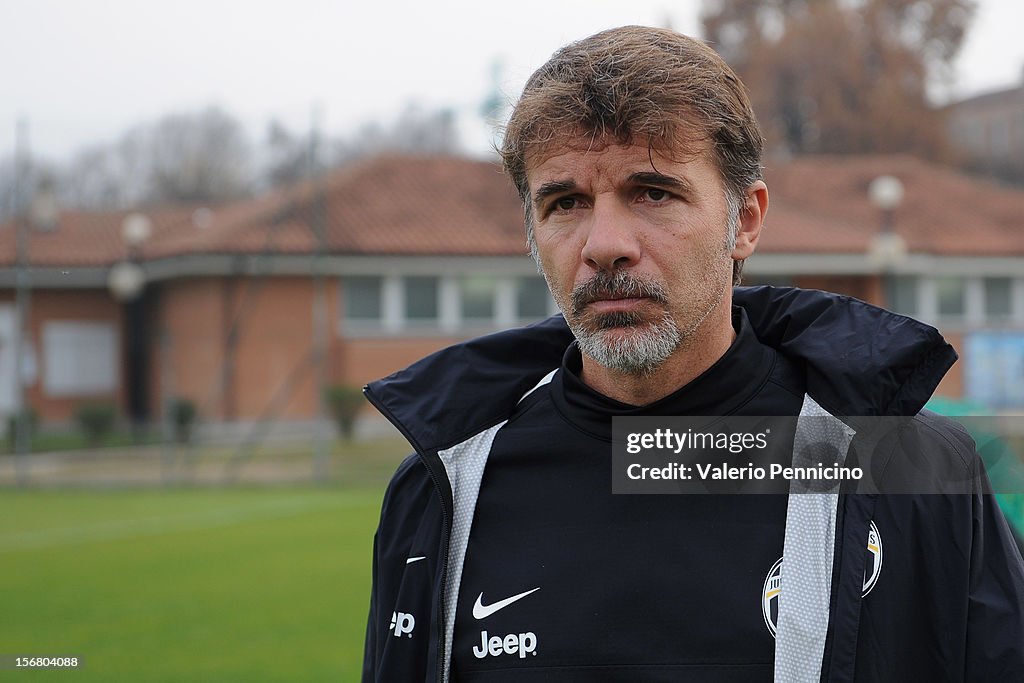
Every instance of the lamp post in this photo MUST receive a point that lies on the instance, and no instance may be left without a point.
(126, 282)
(126, 278)
(23, 300)
(39, 211)
(888, 250)
(318, 201)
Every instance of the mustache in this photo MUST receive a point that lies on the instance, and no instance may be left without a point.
(620, 285)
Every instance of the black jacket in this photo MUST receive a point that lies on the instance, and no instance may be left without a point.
(953, 609)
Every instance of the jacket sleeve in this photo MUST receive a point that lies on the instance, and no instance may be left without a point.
(406, 515)
(995, 628)
(370, 648)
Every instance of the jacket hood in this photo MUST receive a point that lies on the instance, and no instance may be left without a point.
(860, 359)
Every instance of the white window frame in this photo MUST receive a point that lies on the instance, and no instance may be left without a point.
(347, 318)
(80, 358)
(975, 314)
(394, 321)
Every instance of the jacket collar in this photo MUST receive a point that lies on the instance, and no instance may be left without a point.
(861, 360)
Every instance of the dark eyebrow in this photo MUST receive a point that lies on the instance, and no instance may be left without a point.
(661, 180)
(553, 187)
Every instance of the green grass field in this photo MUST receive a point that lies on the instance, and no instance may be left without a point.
(188, 584)
(194, 584)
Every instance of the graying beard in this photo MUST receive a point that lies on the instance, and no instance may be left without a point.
(645, 349)
(640, 353)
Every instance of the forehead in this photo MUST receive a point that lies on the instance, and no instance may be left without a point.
(583, 161)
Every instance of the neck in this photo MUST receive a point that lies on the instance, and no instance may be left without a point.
(698, 352)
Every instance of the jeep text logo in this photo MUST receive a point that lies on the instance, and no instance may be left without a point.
(402, 624)
(523, 643)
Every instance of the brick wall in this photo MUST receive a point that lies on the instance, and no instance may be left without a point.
(363, 360)
(269, 372)
(241, 347)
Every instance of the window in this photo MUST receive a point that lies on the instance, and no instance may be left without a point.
(363, 298)
(421, 298)
(999, 143)
(954, 299)
(975, 136)
(998, 298)
(533, 301)
(476, 297)
(8, 365)
(901, 293)
(950, 292)
(396, 304)
(80, 358)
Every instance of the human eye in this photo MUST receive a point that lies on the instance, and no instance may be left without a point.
(654, 195)
(563, 204)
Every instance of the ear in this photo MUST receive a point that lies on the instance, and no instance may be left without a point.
(755, 206)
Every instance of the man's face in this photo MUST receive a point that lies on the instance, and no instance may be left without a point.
(636, 248)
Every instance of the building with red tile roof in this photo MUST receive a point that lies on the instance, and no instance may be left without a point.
(388, 259)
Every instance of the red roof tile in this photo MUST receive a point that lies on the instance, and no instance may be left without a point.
(824, 208)
(414, 205)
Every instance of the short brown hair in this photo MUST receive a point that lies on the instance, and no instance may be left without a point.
(637, 84)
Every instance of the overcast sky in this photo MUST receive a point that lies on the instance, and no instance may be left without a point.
(81, 72)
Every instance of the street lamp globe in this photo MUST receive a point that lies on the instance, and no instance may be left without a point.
(136, 229)
(888, 250)
(126, 280)
(886, 192)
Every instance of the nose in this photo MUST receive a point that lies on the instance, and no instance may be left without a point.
(611, 240)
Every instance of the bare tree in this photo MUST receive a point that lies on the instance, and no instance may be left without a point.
(415, 130)
(108, 176)
(201, 156)
(205, 156)
(7, 188)
(20, 188)
(842, 75)
(288, 155)
(192, 157)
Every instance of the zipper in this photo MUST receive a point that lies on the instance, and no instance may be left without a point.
(445, 540)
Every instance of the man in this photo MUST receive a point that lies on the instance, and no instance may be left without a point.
(502, 553)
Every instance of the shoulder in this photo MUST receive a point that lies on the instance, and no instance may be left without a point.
(410, 476)
(923, 454)
(408, 492)
(945, 437)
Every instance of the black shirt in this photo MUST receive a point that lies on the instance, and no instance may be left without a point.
(564, 581)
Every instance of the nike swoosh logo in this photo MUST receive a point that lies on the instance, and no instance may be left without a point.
(482, 611)
(415, 559)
